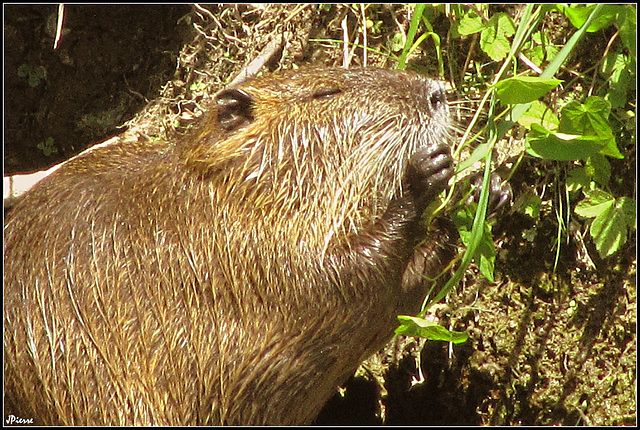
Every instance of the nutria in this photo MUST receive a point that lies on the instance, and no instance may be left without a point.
(235, 276)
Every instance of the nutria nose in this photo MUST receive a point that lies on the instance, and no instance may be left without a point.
(438, 98)
(429, 94)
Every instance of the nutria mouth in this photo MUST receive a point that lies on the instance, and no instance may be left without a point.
(233, 277)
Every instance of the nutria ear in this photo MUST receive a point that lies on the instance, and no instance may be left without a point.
(234, 109)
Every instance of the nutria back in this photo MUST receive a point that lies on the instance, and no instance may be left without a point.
(235, 276)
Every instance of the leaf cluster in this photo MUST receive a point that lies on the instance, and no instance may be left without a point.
(578, 133)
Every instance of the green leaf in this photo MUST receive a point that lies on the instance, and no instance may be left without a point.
(577, 15)
(478, 154)
(613, 218)
(470, 23)
(628, 207)
(596, 203)
(561, 146)
(613, 64)
(539, 113)
(485, 255)
(494, 38)
(577, 178)
(628, 29)
(463, 219)
(531, 205)
(609, 229)
(590, 119)
(542, 50)
(619, 71)
(599, 169)
(398, 42)
(48, 147)
(420, 327)
(524, 89)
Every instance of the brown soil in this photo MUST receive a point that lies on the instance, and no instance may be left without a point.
(545, 348)
(111, 61)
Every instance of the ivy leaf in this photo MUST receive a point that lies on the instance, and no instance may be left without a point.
(590, 119)
(583, 132)
(618, 69)
(542, 49)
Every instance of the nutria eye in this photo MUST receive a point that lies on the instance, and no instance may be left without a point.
(322, 93)
(234, 109)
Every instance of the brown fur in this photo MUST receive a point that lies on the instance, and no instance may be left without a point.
(234, 277)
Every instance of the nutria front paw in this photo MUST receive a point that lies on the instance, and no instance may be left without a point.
(500, 193)
(428, 172)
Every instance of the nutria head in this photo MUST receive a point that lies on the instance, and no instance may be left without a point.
(324, 141)
(235, 276)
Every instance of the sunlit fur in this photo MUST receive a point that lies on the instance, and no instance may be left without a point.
(234, 277)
